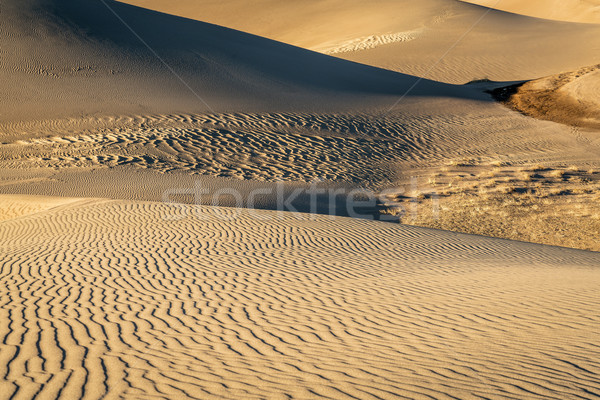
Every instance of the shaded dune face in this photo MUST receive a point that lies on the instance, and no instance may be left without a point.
(443, 40)
(80, 53)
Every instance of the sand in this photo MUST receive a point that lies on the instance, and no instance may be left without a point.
(55, 56)
(585, 11)
(73, 65)
(108, 108)
(571, 98)
(107, 298)
(15, 206)
(553, 204)
(444, 40)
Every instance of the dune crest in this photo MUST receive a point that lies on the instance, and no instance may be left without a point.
(460, 42)
(130, 60)
(587, 11)
(571, 98)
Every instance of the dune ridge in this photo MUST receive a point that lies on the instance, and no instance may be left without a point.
(502, 46)
(109, 299)
(571, 98)
(584, 11)
(72, 64)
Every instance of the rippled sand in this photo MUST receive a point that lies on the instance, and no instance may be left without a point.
(106, 106)
(108, 298)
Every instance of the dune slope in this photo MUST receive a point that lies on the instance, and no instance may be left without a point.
(571, 98)
(71, 58)
(444, 40)
(125, 298)
(115, 298)
(587, 11)
(95, 105)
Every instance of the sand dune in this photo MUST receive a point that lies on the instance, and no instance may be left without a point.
(109, 299)
(361, 149)
(107, 293)
(15, 206)
(444, 40)
(587, 11)
(365, 150)
(101, 101)
(72, 58)
(309, 24)
(570, 98)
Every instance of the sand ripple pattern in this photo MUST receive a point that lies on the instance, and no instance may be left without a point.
(106, 299)
(264, 147)
(371, 42)
(272, 147)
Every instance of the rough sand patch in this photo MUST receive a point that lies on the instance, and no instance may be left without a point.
(548, 204)
(570, 98)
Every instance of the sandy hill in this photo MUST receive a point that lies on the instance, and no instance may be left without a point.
(571, 98)
(95, 106)
(107, 293)
(67, 58)
(93, 99)
(587, 11)
(111, 298)
(60, 62)
(445, 40)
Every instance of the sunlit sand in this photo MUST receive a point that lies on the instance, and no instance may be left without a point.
(439, 166)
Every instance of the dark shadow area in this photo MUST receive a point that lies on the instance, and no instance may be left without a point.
(504, 93)
(190, 45)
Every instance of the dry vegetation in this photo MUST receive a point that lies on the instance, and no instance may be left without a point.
(557, 205)
(556, 98)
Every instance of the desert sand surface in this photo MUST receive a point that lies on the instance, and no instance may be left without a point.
(115, 299)
(444, 40)
(585, 11)
(70, 59)
(15, 206)
(121, 276)
(571, 98)
(551, 204)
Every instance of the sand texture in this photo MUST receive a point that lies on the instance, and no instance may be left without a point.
(444, 40)
(125, 272)
(586, 11)
(109, 299)
(571, 98)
